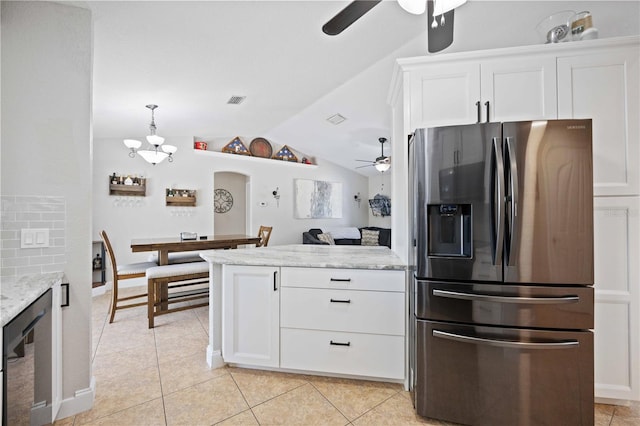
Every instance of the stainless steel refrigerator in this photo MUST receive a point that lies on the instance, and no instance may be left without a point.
(502, 302)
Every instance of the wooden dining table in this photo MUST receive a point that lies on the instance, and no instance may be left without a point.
(166, 245)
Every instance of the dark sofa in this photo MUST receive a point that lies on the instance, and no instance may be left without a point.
(384, 238)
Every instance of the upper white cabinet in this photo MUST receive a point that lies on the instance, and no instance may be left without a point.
(444, 94)
(519, 88)
(603, 85)
(470, 91)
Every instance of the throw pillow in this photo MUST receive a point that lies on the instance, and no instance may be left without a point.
(369, 237)
(327, 238)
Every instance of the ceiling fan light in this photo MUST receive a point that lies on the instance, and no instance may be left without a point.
(416, 7)
(382, 167)
(441, 7)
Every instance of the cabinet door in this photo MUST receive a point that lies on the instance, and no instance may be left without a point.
(519, 88)
(617, 281)
(250, 315)
(604, 87)
(442, 95)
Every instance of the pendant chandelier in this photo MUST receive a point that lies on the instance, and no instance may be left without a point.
(153, 154)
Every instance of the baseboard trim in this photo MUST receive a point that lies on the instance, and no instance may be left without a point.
(82, 400)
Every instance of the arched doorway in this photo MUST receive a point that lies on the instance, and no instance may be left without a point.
(231, 206)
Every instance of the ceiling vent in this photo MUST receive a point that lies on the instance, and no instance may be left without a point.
(336, 119)
(236, 100)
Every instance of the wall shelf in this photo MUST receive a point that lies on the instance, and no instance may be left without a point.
(180, 197)
(226, 156)
(139, 189)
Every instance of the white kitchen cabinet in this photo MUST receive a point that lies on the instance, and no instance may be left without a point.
(325, 320)
(603, 84)
(617, 298)
(251, 315)
(468, 91)
(343, 321)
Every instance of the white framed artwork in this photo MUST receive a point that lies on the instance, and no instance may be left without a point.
(317, 199)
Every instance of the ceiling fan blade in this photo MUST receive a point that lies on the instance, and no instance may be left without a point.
(368, 165)
(348, 16)
(366, 161)
(440, 37)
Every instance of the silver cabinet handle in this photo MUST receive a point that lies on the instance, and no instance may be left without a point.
(567, 344)
(542, 300)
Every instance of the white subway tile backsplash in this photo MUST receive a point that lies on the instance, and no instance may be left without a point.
(29, 212)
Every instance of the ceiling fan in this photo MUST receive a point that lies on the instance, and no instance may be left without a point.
(381, 163)
(439, 31)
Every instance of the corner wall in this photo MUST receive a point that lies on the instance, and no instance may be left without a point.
(46, 151)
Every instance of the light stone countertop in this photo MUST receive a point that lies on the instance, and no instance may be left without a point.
(17, 294)
(309, 256)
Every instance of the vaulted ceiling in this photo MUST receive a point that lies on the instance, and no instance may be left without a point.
(191, 57)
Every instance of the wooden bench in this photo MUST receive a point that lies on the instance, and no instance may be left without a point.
(187, 282)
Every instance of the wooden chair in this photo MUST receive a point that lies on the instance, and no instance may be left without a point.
(124, 272)
(264, 233)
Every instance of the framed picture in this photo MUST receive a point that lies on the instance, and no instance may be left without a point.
(316, 199)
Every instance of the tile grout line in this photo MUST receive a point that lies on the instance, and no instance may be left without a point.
(155, 347)
(244, 398)
(330, 403)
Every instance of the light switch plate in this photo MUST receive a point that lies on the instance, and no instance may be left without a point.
(34, 238)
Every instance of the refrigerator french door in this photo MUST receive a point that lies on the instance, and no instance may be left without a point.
(502, 223)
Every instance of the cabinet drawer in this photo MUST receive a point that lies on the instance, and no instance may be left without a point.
(374, 312)
(325, 351)
(352, 279)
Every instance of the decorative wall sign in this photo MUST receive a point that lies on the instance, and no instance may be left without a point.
(222, 200)
(380, 205)
(236, 147)
(316, 199)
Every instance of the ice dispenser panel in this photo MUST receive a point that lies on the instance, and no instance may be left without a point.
(450, 230)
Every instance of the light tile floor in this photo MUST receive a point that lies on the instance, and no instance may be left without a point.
(160, 377)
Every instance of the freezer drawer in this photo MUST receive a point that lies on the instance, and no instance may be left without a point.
(503, 376)
(506, 305)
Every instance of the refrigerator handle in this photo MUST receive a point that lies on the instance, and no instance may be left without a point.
(497, 200)
(563, 344)
(513, 184)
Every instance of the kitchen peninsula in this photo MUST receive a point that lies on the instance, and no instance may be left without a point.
(334, 310)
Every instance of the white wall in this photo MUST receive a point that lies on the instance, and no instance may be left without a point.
(194, 170)
(46, 150)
